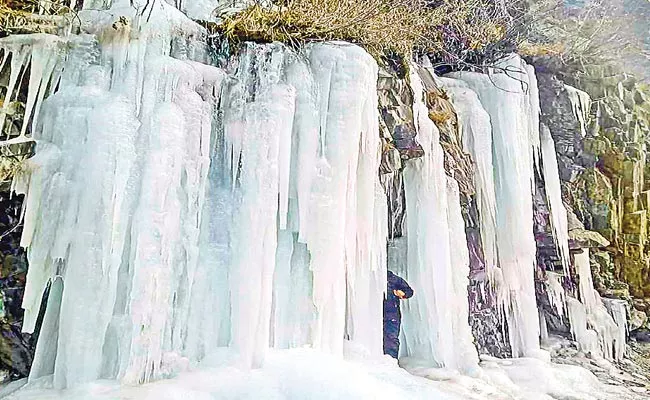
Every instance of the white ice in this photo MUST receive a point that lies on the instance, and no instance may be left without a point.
(476, 130)
(581, 106)
(436, 325)
(591, 314)
(558, 217)
(308, 374)
(512, 102)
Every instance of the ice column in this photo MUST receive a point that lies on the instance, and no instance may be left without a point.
(513, 111)
(581, 105)
(435, 319)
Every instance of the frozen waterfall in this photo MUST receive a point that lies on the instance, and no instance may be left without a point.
(178, 212)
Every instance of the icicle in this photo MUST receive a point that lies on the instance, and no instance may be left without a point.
(587, 338)
(558, 217)
(610, 333)
(464, 349)
(42, 53)
(438, 278)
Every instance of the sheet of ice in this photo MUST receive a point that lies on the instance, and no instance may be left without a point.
(581, 105)
(558, 217)
(512, 106)
(435, 327)
(114, 202)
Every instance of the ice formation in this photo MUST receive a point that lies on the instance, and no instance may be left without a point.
(581, 106)
(476, 130)
(174, 207)
(592, 325)
(513, 106)
(556, 294)
(437, 258)
(558, 217)
(43, 53)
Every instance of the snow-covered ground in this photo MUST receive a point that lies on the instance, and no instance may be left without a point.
(307, 374)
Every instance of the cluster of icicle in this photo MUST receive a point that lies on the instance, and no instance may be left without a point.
(508, 144)
(174, 207)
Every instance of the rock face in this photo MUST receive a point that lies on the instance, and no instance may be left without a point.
(602, 159)
(16, 349)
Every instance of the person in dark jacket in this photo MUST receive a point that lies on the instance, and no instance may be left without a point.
(398, 290)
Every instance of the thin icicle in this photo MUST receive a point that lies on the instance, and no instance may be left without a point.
(558, 217)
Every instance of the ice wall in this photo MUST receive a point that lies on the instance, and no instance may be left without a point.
(510, 97)
(175, 207)
(435, 319)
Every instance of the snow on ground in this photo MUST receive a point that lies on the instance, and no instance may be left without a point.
(307, 374)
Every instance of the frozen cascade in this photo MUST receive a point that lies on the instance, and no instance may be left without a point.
(558, 217)
(513, 108)
(146, 200)
(438, 277)
(119, 209)
(476, 131)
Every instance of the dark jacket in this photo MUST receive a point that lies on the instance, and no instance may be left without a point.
(391, 302)
(392, 314)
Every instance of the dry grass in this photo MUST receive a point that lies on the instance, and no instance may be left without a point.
(380, 26)
(31, 16)
(9, 167)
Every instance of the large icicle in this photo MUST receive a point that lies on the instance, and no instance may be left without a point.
(43, 54)
(438, 278)
(513, 110)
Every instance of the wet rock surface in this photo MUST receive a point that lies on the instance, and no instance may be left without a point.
(16, 349)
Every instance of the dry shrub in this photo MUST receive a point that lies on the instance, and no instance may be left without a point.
(380, 26)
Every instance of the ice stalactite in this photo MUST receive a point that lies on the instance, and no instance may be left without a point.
(476, 131)
(438, 278)
(556, 294)
(513, 111)
(558, 217)
(44, 54)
